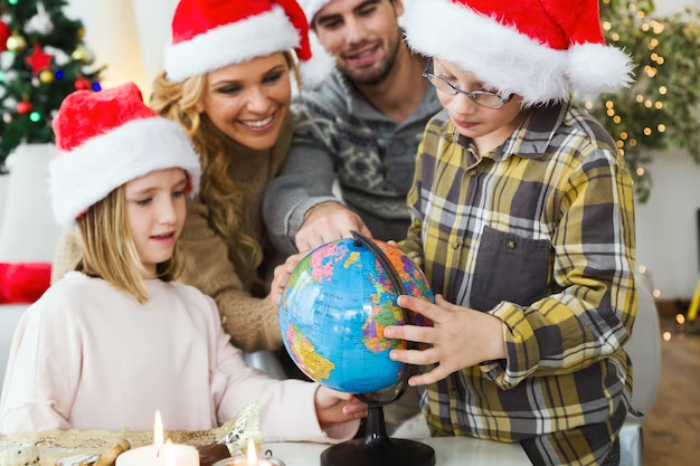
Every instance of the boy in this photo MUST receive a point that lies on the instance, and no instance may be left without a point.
(523, 220)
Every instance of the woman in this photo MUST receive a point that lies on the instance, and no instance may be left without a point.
(227, 83)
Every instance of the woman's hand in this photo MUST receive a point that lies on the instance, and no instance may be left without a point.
(333, 407)
(282, 274)
(460, 338)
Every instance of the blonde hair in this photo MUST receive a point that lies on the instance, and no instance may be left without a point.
(178, 101)
(109, 251)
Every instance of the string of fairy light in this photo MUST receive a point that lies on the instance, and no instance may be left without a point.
(623, 138)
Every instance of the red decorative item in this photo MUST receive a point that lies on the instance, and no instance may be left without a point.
(24, 282)
(38, 60)
(82, 84)
(4, 35)
(24, 107)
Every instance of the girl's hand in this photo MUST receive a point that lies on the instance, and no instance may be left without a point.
(460, 338)
(333, 407)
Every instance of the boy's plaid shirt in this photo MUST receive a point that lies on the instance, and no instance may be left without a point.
(539, 233)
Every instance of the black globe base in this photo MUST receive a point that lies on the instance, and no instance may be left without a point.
(378, 449)
(384, 452)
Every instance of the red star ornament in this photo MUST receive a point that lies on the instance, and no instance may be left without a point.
(39, 60)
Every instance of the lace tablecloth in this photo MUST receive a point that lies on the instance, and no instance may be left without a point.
(57, 444)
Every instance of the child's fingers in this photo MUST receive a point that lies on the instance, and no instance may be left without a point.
(437, 374)
(416, 357)
(424, 308)
(413, 333)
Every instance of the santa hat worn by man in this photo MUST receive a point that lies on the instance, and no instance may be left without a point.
(210, 34)
(543, 50)
(105, 139)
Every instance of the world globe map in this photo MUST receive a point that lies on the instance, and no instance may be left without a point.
(334, 309)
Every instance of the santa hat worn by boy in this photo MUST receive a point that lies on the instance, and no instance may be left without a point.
(543, 50)
(210, 34)
(105, 139)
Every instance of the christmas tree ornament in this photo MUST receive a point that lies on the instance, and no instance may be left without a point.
(46, 77)
(7, 59)
(81, 33)
(7, 118)
(16, 43)
(40, 23)
(10, 103)
(9, 76)
(81, 54)
(82, 84)
(60, 57)
(4, 35)
(36, 82)
(39, 60)
(24, 107)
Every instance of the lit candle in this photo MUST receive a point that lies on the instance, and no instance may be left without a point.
(251, 459)
(159, 454)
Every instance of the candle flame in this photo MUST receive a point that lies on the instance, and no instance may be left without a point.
(158, 431)
(168, 454)
(252, 454)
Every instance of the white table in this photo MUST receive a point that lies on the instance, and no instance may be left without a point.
(459, 451)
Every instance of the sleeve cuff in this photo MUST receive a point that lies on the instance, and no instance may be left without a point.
(522, 348)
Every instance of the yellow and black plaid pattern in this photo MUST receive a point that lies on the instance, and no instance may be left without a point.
(539, 233)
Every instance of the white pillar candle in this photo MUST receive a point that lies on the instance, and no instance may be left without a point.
(150, 455)
(159, 454)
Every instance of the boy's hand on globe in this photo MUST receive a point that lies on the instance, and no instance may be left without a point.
(282, 274)
(333, 407)
(461, 337)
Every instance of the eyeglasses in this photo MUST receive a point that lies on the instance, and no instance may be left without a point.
(482, 98)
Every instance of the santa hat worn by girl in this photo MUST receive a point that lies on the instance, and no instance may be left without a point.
(210, 34)
(105, 139)
(543, 50)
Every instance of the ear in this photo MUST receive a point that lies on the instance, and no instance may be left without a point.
(398, 6)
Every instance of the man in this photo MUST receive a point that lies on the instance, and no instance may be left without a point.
(362, 128)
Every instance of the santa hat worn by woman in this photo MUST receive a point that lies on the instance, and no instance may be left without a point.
(543, 50)
(105, 139)
(210, 34)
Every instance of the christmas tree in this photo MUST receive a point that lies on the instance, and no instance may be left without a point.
(661, 110)
(42, 59)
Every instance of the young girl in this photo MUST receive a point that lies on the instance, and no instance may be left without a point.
(523, 219)
(109, 344)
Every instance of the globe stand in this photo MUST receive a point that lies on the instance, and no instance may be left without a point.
(377, 448)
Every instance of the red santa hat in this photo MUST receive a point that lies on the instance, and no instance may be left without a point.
(105, 139)
(210, 34)
(543, 50)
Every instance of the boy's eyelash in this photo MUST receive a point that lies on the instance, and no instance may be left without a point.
(144, 202)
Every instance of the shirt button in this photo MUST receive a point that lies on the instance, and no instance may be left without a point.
(473, 173)
(456, 245)
(510, 244)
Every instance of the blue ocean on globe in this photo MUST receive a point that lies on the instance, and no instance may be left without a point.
(335, 308)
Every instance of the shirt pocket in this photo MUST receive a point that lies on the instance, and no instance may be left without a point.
(509, 268)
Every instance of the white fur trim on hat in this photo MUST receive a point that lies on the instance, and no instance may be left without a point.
(595, 68)
(311, 7)
(499, 55)
(87, 174)
(315, 71)
(232, 43)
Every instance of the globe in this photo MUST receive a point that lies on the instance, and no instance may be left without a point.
(335, 307)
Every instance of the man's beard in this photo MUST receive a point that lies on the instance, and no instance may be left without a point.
(377, 76)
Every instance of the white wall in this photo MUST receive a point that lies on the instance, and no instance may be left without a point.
(126, 35)
(129, 36)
